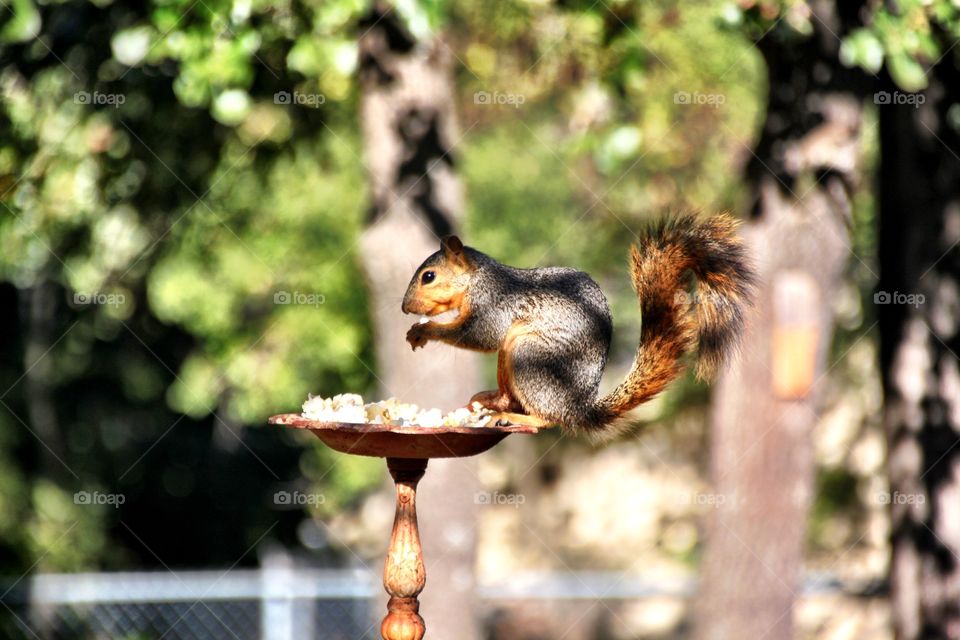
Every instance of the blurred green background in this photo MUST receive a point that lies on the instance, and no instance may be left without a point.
(157, 196)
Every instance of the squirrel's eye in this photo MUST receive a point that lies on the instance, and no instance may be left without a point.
(428, 277)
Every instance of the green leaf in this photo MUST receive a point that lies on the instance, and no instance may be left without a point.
(25, 23)
(131, 46)
(907, 72)
(306, 56)
(862, 48)
(231, 107)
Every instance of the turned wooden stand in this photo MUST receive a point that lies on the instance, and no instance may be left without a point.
(407, 450)
(403, 572)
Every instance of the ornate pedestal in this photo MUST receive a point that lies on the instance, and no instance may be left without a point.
(407, 450)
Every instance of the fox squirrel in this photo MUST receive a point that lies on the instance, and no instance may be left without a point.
(552, 326)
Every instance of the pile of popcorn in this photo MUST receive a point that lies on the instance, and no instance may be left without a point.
(349, 407)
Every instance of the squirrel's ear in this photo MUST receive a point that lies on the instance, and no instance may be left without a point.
(452, 247)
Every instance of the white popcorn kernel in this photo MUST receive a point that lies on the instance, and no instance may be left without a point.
(350, 408)
(431, 418)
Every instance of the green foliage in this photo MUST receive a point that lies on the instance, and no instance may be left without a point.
(509, 169)
(915, 36)
(640, 120)
(60, 533)
(343, 478)
(151, 166)
(906, 36)
(266, 277)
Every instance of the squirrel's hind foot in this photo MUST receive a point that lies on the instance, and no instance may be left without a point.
(507, 418)
(496, 401)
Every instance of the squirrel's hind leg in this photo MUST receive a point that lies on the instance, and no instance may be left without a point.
(501, 399)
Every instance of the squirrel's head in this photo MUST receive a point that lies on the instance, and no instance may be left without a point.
(440, 284)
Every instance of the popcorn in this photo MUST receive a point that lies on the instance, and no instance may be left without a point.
(460, 416)
(349, 407)
(345, 407)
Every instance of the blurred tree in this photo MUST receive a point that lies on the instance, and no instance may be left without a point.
(410, 129)
(918, 170)
(919, 188)
(801, 174)
(918, 182)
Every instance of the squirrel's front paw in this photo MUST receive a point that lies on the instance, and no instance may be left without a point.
(417, 336)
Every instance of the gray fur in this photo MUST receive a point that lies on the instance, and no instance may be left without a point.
(563, 304)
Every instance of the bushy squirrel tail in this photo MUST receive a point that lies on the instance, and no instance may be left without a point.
(676, 320)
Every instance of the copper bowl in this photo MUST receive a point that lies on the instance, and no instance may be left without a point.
(411, 441)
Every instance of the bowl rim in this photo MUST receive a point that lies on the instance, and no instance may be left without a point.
(297, 421)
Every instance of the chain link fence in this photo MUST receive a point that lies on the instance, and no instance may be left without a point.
(267, 604)
(288, 602)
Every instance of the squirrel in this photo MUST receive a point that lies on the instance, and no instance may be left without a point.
(552, 326)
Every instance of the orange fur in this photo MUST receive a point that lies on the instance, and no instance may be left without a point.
(505, 361)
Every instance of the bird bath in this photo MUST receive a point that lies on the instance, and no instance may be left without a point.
(407, 450)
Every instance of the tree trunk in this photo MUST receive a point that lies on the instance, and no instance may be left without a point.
(765, 404)
(409, 130)
(918, 310)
